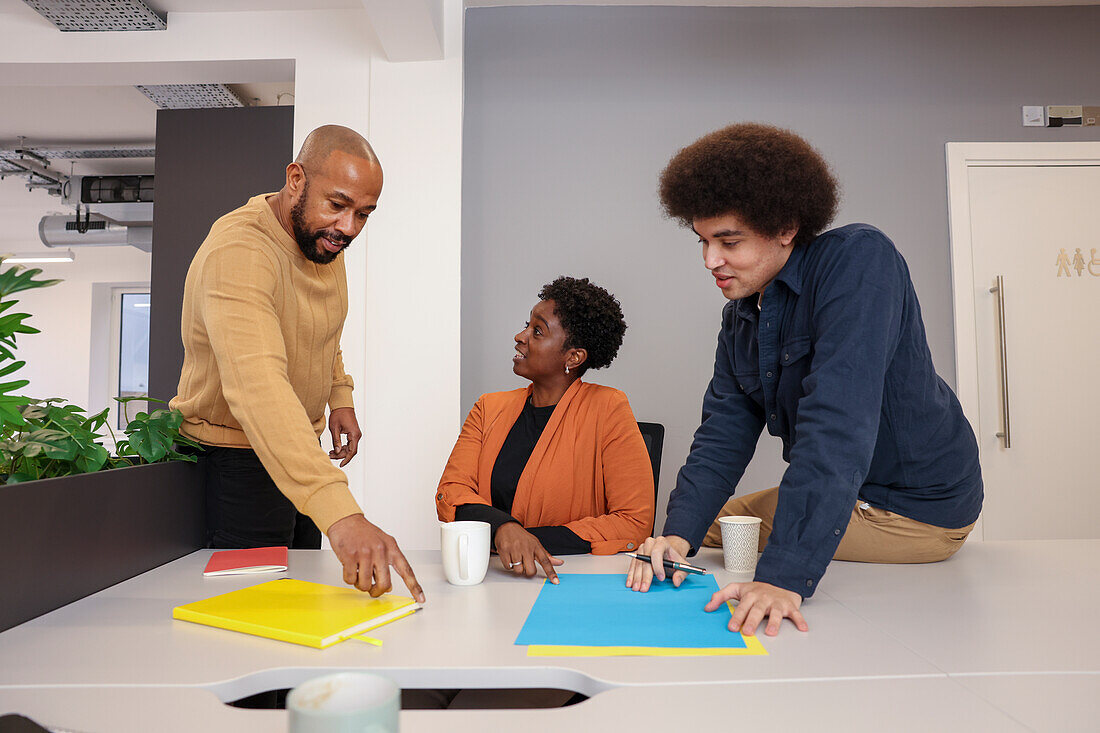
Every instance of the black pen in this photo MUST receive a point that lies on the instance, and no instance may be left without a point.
(669, 564)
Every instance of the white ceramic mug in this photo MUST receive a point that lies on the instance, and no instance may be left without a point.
(346, 702)
(465, 547)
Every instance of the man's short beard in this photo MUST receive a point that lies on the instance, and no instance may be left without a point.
(307, 240)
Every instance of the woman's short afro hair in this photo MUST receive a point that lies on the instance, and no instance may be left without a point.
(591, 316)
(770, 178)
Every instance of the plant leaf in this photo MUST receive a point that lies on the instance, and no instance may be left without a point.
(14, 366)
(11, 386)
(16, 279)
(148, 440)
(53, 444)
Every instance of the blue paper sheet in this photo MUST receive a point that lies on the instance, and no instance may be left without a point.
(599, 610)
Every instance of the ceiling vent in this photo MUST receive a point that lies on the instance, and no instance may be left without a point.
(99, 15)
(191, 96)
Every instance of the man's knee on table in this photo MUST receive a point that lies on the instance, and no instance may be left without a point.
(757, 504)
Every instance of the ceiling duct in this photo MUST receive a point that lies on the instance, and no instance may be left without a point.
(116, 189)
(99, 15)
(93, 230)
(191, 96)
(33, 163)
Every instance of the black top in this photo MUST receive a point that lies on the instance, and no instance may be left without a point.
(511, 461)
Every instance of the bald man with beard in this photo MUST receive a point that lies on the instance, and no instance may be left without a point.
(264, 305)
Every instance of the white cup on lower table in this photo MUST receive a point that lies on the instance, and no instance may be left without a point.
(347, 702)
(740, 541)
(465, 547)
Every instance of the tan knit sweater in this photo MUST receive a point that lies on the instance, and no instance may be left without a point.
(261, 336)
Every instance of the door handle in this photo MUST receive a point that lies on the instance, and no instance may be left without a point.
(999, 289)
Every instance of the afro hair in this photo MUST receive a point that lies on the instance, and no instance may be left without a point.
(770, 178)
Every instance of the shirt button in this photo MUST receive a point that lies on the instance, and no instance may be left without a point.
(836, 531)
(809, 584)
(772, 416)
(769, 375)
(786, 357)
(768, 324)
(630, 545)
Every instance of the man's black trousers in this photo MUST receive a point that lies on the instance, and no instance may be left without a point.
(244, 508)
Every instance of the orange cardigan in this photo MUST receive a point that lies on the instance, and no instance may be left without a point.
(589, 470)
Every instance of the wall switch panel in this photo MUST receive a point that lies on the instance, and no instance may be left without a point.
(1063, 114)
(1034, 116)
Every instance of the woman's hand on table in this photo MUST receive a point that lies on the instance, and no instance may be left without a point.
(641, 572)
(756, 600)
(521, 553)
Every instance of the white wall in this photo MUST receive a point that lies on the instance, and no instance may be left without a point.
(413, 279)
(401, 336)
(59, 359)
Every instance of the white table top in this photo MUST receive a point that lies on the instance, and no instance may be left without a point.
(972, 634)
(1054, 703)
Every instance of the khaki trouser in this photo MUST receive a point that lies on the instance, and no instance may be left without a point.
(873, 535)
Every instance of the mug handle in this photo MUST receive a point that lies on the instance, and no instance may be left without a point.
(464, 557)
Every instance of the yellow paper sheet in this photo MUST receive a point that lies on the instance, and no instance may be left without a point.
(753, 647)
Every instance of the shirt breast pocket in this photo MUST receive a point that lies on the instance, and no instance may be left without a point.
(794, 364)
(749, 383)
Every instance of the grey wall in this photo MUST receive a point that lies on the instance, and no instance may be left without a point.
(571, 113)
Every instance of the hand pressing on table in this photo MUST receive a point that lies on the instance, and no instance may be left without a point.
(757, 600)
(521, 553)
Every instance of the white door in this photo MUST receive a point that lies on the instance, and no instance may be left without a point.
(1028, 331)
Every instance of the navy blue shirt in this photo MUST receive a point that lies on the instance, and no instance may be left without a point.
(835, 362)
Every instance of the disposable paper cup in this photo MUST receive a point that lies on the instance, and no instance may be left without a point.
(347, 702)
(740, 539)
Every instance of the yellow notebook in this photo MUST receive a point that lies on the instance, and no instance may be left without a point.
(297, 611)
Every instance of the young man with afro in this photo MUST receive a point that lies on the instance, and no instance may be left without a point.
(822, 343)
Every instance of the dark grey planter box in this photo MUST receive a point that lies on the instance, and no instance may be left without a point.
(65, 538)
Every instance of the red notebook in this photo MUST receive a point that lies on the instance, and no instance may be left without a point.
(253, 560)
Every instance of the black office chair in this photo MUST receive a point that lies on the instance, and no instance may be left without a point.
(653, 433)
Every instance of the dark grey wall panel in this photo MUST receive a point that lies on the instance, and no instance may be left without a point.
(209, 162)
(66, 538)
(571, 113)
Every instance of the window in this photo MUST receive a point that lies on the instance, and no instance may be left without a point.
(129, 374)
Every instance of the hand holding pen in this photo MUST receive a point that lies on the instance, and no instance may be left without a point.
(670, 564)
(658, 549)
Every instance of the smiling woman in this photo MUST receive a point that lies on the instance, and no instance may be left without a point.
(558, 467)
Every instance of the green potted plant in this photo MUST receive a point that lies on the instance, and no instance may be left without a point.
(68, 527)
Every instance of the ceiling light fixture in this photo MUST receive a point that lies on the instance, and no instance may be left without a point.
(25, 258)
